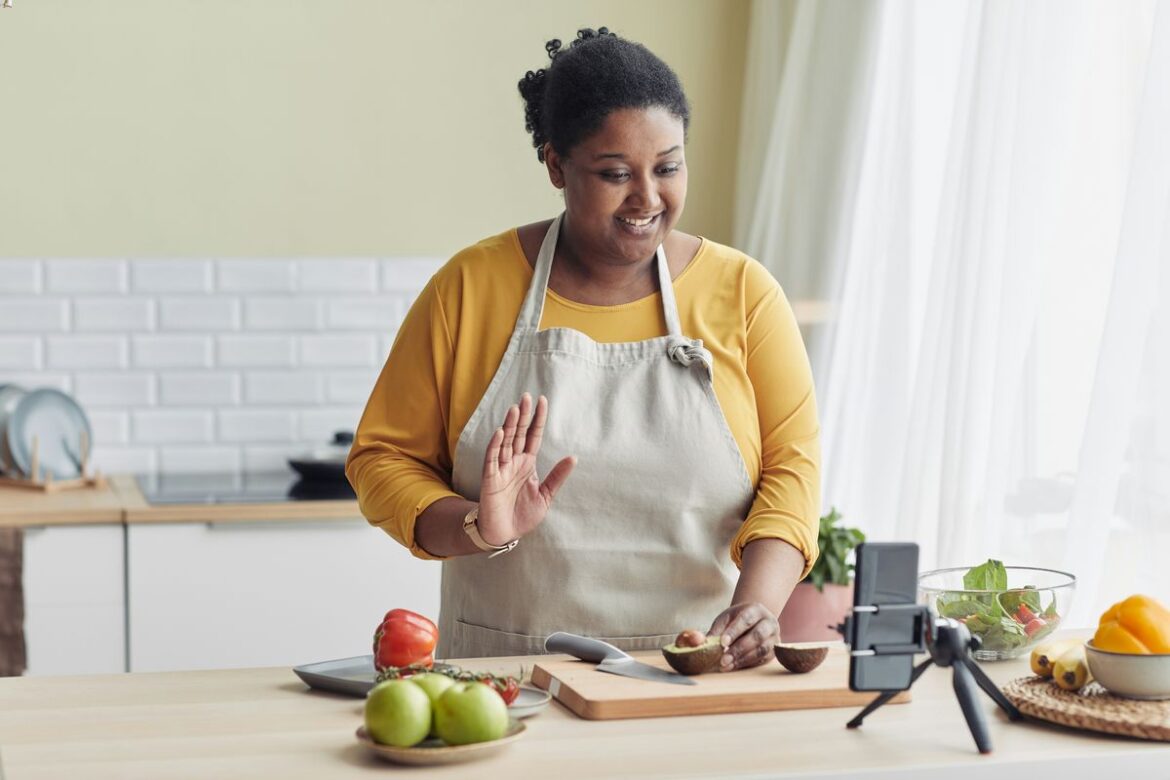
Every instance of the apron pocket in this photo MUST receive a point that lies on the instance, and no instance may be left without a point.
(472, 641)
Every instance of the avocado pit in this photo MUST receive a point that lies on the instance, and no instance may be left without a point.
(693, 653)
(801, 658)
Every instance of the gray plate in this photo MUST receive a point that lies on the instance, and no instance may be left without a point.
(57, 422)
(355, 677)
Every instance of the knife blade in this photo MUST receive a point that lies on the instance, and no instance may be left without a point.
(610, 659)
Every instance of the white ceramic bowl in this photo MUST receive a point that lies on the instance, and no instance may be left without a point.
(1129, 674)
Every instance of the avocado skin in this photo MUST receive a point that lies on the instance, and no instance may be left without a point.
(694, 660)
(800, 660)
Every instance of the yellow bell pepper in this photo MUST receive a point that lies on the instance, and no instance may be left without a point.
(1139, 625)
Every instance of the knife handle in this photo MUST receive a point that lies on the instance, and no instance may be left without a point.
(582, 647)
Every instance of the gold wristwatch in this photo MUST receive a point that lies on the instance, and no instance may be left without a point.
(472, 530)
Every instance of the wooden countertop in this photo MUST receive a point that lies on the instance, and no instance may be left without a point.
(266, 723)
(122, 502)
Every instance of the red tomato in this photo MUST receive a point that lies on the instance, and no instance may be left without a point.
(404, 638)
(1025, 615)
(507, 687)
(1034, 625)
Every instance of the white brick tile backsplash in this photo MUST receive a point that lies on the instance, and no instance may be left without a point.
(171, 276)
(255, 351)
(198, 388)
(124, 460)
(322, 276)
(350, 387)
(206, 364)
(381, 314)
(340, 351)
(199, 314)
(38, 315)
(282, 314)
(99, 352)
(255, 276)
(113, 314)
(33, 379)
(283, 387)
(200, 459)
(109, 427)
(319, 424)
(172, 426)
(85, 276)
(20, 352)
(408, 274)
(20, 276)
(123, 389)
(171, 351)
(249, 426)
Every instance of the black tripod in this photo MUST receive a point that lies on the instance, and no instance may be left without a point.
(950, 644)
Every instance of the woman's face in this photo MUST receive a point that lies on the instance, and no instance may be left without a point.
(625, 186)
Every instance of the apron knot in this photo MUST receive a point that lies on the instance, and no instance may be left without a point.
(687, 352)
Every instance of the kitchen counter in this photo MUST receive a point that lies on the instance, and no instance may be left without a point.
(121, 501)
(250, 723)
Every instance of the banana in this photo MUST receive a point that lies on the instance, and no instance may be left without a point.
(1071, 671)
(1044, 655)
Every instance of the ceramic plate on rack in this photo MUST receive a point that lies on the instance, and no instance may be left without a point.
(53, 423)
(10, 396)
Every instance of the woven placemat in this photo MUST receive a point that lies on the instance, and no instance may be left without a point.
(1092, 708)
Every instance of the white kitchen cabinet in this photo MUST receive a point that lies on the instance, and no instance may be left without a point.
(74, 599)
(240, 594)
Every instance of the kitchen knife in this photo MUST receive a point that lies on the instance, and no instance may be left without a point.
(609, 659)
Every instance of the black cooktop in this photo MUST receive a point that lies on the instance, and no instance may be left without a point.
(238, 487)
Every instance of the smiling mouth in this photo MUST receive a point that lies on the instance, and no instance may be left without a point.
(639, 223)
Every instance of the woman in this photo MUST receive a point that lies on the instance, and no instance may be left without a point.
(594, 420)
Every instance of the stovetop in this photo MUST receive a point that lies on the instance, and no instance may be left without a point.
(239, 488)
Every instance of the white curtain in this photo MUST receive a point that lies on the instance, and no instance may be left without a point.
(967, 233)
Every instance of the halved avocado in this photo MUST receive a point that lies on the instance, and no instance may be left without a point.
(694, 660)
(801, 658)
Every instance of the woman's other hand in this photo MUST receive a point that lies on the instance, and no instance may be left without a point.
(512, 499)
(748, 632)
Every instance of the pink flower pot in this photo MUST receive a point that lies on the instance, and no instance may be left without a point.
(809, 613)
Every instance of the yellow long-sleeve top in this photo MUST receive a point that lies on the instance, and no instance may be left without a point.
(456, 333)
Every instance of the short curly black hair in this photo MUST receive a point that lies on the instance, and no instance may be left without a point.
(598, 73)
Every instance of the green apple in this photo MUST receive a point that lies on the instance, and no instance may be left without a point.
(470, 712)
(398, 713)
(435, 685)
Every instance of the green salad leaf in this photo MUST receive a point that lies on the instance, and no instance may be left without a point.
(990, 576)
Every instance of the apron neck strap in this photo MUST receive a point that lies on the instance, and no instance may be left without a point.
(533, 308)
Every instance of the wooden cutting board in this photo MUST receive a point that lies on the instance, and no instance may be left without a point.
(598, 695)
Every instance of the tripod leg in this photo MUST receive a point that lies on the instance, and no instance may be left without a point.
(885, 697)
(965, 690)
(991, 689)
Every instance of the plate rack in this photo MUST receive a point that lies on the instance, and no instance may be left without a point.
(45, 483)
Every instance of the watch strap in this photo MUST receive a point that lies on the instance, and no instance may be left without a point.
(471, 528)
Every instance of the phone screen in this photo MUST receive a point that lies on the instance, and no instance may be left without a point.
(886, 573)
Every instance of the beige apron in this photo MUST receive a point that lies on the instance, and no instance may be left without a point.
(635, 546)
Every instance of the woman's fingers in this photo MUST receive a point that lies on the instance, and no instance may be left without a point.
(510, 421)
(521, 438)
(492, 456)
(556, 477)
(536, 430)
(752, 645)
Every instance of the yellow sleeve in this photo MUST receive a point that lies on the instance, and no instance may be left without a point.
(399, 463)
(788, 496)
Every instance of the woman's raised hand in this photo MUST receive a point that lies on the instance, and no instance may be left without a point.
(512, 499)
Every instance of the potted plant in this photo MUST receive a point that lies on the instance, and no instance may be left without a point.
(823, 598)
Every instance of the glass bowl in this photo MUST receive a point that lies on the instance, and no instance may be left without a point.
(1010, 621)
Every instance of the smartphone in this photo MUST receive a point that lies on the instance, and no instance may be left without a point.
(886, 573)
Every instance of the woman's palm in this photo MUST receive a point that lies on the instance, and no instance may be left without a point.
(512, 499)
